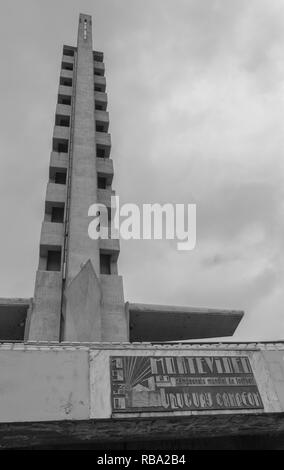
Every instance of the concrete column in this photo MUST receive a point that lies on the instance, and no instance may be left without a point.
(82, 297)
(84, 174)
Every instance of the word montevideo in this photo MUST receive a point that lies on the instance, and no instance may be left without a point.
(200, 365)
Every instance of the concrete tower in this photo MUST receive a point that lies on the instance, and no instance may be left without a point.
(78, 293)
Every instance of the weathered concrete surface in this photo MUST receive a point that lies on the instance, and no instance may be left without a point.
(65, 90)
(51, 236)
(63, 109)
(99, 67)
(102, 309)
(58, 161)
(129, 431)
(110, 246)
(104, 197)
(171, 323)
(43, 385)
(101, 391)
(46, 311)
(66, 73)
(55, 193)
(83, 313)
(104, 140)
(61, 132)
(102, 117)
(67, 58)
(101, 81)
(274, 361)
(105, 168)
(114, 317)
(84, 174)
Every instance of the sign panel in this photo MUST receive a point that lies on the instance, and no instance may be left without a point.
(187, 383)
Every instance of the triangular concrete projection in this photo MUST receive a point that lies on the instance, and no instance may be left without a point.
(83, 311)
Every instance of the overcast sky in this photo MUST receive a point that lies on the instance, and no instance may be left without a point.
(196, 106)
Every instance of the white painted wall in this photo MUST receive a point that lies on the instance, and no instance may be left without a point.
(38, 385)
(44, 383)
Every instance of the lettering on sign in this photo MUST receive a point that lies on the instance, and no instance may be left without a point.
(174, 383)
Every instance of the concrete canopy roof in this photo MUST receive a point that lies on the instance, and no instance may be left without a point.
(158, 323)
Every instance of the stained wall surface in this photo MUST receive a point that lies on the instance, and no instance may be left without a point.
(72, 382)
(43, 385)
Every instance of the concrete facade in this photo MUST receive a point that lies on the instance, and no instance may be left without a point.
(56, 385)
(44, 384)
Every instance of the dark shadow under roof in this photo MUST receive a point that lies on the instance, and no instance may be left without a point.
(155, 323)
(13, 314)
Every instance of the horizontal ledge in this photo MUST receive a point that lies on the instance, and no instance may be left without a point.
(158, 323)
(15, 301)
(181, 309)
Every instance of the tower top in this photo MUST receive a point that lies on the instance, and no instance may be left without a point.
(85, 30)
(84, 16)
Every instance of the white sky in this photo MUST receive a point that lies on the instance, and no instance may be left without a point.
(196, 106)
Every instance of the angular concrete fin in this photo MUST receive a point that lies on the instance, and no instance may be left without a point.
(83, 312)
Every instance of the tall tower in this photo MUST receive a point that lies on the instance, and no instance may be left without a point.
(78, 292)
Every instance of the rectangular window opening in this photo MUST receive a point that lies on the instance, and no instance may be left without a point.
(67, 66)
(98, 56)
(100, 152)
(102, 182)
(68, 52)
(60, 177)
(105, 264)
(64, 81)
(60, 146)
(64, 99)
(57, 214)
(53, 262)
(63, 121)
(98, 73)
